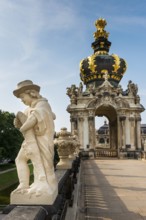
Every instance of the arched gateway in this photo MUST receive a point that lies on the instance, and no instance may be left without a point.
(103, 96)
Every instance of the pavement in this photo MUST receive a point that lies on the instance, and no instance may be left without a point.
(112, 190)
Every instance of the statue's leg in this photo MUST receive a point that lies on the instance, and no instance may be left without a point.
(40, 183)
(39, 171)
(22, 170)
(33, 153)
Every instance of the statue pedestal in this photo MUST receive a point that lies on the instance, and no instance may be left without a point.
(42, 211)
(64, 163)
(41, 192)
(46, 198)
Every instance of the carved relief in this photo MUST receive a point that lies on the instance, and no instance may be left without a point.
(91, 113)
(121, 103)
(92, 103)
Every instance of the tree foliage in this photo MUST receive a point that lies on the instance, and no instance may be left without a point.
(10, 137)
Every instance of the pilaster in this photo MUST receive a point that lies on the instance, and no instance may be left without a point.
(127, 132)
(86, 133)
(132, 131)
(73, 121)
(80, 131)
(91, 124)
(138, 132)
(122, 131)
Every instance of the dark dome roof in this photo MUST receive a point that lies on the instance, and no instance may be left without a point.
(94, 67)
(143, 126)
(103, 128)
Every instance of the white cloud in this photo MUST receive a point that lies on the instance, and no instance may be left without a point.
(21, 25)
(129, 20)
(59, 15)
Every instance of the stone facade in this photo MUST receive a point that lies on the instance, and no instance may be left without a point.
(122, 108)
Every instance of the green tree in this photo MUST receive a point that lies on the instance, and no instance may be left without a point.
(10, 137)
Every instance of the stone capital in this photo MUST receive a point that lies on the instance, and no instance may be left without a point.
(81, 119)
(138, 118)
(90, 118)
(131, 118)
(72, 119)
(122, 118)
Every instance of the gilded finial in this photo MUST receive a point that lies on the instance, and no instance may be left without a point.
(100, 25)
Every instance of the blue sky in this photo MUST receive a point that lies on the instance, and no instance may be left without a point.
(44, 41)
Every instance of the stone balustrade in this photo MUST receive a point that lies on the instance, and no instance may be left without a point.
(106, 153)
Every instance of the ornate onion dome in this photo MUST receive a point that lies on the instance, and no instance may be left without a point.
(93, 68)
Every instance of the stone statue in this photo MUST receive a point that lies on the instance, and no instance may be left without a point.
(72, 93)
(132, 88)
(80, 89)
(37, 127)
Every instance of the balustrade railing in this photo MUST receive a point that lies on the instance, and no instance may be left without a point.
(106, 153)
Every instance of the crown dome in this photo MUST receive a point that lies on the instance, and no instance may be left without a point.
(93, 68)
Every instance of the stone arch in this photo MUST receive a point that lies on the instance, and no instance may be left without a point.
(110, 112)
(106, 110)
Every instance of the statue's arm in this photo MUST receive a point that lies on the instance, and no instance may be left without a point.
(29, 123)
(17, 123)
(19, 120)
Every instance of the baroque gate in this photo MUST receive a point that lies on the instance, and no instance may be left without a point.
(103, 96)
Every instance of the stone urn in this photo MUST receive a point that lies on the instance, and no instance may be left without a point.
(65, 144)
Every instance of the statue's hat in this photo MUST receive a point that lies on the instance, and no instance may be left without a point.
(25, 85)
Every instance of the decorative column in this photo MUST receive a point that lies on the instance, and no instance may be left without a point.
(144, 145)
(132, 132)
(113, 134)
(122, 135)
(91, 124)
(127, 132)
(86, 133)
(138, 132)
(73, 121)
(119, 134)
(80, 131)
